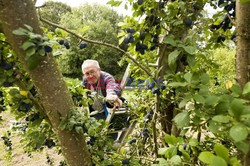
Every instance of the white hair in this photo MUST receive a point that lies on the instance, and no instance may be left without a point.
(90, 63)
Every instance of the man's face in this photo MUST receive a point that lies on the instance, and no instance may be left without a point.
(92, 74)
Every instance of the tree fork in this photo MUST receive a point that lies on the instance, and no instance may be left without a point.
(47, 78)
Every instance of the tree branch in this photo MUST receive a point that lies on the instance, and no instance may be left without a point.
(231, 19)
(99, 43)
(154, 119)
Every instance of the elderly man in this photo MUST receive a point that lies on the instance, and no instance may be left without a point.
(103, 88)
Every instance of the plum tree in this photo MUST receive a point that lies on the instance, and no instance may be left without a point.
(182, 59)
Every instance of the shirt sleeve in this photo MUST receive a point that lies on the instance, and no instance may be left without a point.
(112, 88)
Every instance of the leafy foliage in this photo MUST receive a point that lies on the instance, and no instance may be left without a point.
(210, 111)
(97, 23)
(54, 11)
(36, 47)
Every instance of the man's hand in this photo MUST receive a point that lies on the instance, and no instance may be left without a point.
(114, 99)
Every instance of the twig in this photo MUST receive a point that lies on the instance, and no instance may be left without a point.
(154, 129)
(232, 21)
(97, 42)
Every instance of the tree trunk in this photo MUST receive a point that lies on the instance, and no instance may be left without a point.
(164, 106)
(243, 42)
(47, 78)
(243, 50)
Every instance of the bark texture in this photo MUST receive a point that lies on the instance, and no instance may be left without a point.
(243, 42)
(243, 51)
(47, 78)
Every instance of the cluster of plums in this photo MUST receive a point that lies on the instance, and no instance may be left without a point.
(225, 24)
(24, 107)
(66, 44)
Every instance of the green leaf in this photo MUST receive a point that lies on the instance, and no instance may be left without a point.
(170, 139)
(193, 142)
(31, 51)
(246, 110)
(221, 118)
(246, 89)
(176, 84)
(170, 40)
(41, 52)
(28, 27)
(27, 44)
(172, 57)
(126, 7)
(59, 32)
(234, 162)
(20, 32)
(185, 155)
(222, 107)
(214, 126)
(79, 129)
(236, 90)
(238, 132)
(63, 124)
(189, 49)
(217, 161)
(162, 151)
(175, 160)
(205, 157)
(183, 103)
(204, 78)
(182, 119)
(33, 61)
(114, 3)
(237, 107)
(243, 146)
(211, 100)
(121, 41)
(199, 99)
(162, 161)
(188, 77)
(172, 151)
(34, 36)
(13, 92)
(191, 60)
(221, 151)
(203, 90)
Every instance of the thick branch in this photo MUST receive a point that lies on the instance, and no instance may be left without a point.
(97, 42)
